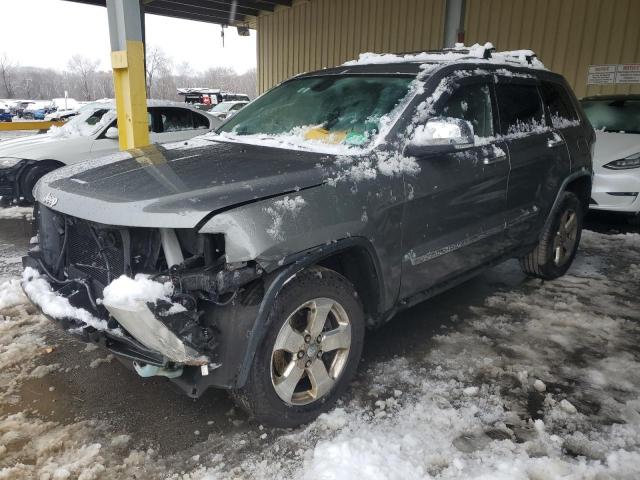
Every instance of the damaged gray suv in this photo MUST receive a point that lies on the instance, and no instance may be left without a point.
(252, 259)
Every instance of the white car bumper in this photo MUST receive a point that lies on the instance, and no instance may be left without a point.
(616, 190)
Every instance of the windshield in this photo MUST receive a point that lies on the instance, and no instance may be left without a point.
(338, 110)
(90, 119)
(613, 115)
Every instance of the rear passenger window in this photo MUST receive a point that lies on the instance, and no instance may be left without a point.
(520, 108)
(473, 104)
(200, 121)
(559, 104)
(175, 119)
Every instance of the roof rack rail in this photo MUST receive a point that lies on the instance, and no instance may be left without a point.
(456, 53)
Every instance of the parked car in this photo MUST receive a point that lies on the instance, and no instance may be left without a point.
(227, 109)
(616, 160)
(90, 134)
(252, 258)
(35, 110)
(5, 113)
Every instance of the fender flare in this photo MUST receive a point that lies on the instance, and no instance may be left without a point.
(279, 278)
(583, 172)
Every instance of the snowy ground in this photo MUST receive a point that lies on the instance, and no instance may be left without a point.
(501, 378)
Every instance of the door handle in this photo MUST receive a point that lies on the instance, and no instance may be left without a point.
(495, 159)
(554, 141)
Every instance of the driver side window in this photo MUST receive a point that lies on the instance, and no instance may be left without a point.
(472, 103)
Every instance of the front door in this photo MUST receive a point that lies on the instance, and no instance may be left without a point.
(454, 215)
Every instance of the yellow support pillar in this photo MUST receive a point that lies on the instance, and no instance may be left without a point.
(127, 61)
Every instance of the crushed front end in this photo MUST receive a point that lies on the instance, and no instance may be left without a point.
(183, 334)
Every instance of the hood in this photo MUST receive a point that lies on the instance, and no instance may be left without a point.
(39, 147)
(614, 146)
(177, 187)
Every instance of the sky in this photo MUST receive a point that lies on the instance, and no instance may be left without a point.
(46, 33)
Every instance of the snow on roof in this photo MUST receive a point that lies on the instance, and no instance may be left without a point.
(460, 53)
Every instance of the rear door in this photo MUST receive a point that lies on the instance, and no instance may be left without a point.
(538, 156)
(564, 118)
(455, 210)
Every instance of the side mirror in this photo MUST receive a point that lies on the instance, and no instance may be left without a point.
(440, 135)
(112, 132)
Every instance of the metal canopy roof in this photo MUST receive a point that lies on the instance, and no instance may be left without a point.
(210, 11)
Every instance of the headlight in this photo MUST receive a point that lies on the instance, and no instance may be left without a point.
(632, 161)
(9, 162)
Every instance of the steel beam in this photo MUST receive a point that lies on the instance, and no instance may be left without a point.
(127, 61)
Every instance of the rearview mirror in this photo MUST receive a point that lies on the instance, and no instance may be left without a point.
(440, 135)
(112, 133)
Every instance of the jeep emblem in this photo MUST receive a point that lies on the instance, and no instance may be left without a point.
(50, 200)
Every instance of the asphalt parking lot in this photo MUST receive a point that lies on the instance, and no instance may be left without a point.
(481, 371)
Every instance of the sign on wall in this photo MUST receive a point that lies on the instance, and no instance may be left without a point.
(613, 73)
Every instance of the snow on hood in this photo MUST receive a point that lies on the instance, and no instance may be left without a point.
(614, 146)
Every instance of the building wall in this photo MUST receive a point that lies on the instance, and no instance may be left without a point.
(567, 35)
(315, 34)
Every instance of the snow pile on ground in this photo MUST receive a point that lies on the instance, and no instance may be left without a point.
(21, 341)
(33, 448)
(16, 213)
(11, 294)
(539, 382)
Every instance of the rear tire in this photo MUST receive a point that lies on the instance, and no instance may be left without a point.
(557, 248)
(310, 352)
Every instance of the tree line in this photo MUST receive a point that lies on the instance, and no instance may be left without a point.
(82, 79)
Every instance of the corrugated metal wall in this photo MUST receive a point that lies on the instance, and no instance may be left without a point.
(567, 35)
(315, 34)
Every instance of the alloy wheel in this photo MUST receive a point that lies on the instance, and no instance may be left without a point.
(310, 351)
(565, 239)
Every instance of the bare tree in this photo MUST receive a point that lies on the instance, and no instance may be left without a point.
(85, 69)
(158, 64)
(6, 71)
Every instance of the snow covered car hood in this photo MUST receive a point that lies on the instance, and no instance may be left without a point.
(44, 146)
(177, 188)
(614, 146)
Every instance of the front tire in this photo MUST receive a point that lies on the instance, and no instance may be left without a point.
(310, 352)
(558, 246)
(29, 180)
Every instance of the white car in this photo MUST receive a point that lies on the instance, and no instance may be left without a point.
(92, 133)
(225, 110)
(616, 160)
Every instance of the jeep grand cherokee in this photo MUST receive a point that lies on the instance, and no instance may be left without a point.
(251, 259)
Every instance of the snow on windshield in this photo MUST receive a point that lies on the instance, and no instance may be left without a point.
(328, 113)
(88, 122)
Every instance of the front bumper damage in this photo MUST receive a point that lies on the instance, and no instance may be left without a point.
(193, 342)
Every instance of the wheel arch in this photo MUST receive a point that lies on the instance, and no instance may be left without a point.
(579, 183)
(346, 256)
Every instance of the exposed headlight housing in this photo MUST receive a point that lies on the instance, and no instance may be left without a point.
(632, 161)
